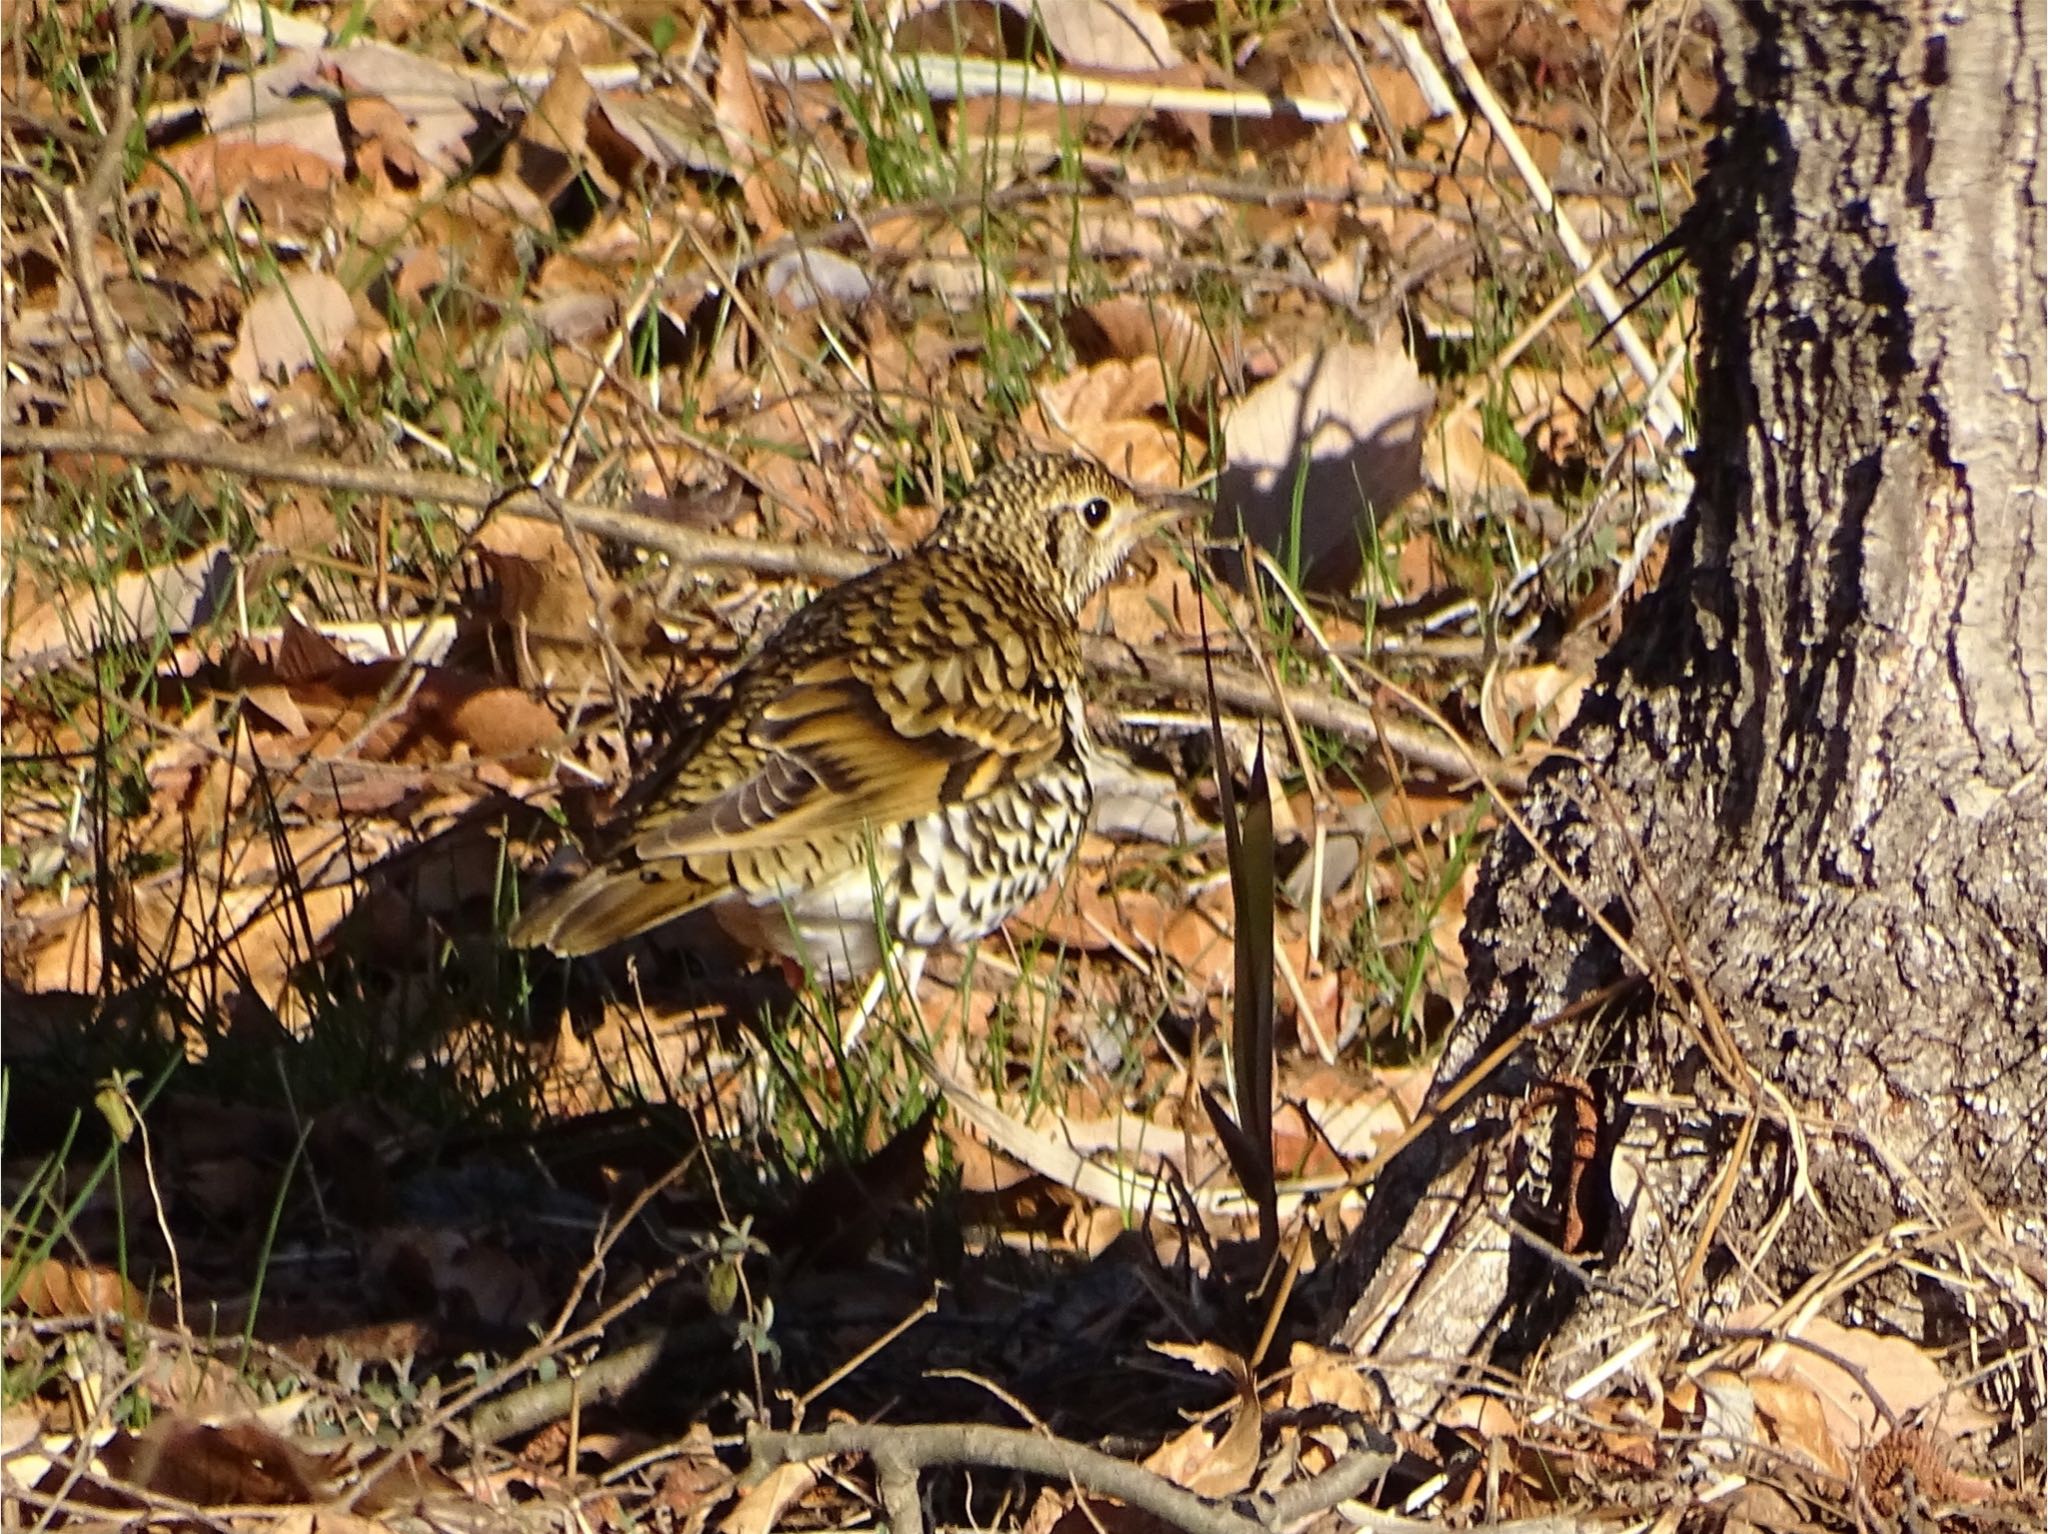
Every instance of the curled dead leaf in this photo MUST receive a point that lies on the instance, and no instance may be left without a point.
(551, 150)
(1154, 326)
(55, 1288)
(1317, 451)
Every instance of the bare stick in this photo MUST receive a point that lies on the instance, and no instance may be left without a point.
(465, 491)
(1179, 676)
(900, 1454)
(80, 210)
(1661, 408)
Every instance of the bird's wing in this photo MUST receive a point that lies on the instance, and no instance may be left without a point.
(928, 704)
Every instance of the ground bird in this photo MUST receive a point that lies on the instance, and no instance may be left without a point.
(904, 764)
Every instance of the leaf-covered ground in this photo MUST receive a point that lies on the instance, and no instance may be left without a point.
(319, 1196)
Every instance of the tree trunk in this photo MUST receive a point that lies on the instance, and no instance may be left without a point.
(1804, 830)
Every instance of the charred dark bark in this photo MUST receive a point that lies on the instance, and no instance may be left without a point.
(1809, 794)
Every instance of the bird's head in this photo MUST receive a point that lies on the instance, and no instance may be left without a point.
(1064, 520)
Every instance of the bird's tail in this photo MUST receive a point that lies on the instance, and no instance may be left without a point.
(606, 906)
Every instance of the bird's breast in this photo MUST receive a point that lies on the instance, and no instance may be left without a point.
(968, 867)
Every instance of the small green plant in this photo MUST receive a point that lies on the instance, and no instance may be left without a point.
(1393, 946)
(894, 116)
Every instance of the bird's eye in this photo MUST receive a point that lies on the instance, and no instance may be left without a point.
(1095, 512)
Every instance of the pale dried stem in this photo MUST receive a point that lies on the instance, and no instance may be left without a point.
(900, 1454)
(556, 464)
(80, 208)
(1662, 409)
(1173, 674)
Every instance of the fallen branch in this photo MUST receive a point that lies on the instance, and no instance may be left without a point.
(1179, 676)
(1248, 693)
(79, 212)
(901, 1454)
(460, 490)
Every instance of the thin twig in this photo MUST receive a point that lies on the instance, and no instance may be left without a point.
(80, 209)
(1254, 696)
(1660, 407)
(1181, 677)
(901, 1453)
(930, 1307)
(106, 167)
(214, 452)
(911, 1449)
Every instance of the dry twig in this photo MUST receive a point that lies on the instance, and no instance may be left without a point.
(1176, 675)
(900, 1454)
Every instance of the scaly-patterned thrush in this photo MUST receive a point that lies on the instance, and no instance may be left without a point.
(910, 748)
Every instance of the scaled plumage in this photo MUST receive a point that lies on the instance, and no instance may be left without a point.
(909, 748)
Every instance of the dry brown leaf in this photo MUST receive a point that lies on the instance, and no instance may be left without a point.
(1099, 916)
(1157, 327)
(440, 105)
(1540, 700)
(667, 137)
(1364, 1120)
(215, 171)
(1209, 1357)
(1486, 1415)
(963, 28)
(749, 136)
(571, 28)
(1798, 1422)
(541, 588)
(495, 723)
(279, 105)
(20, 1425)
(1904, 1376)
(384, 151)
(1339, 429)
(239, 1464)
(274, 701)
(1460, 464)
(580, 1073)
(761, 1506)
(1147, 453)
(387, 711)
(1209, 1463)
(289, 328)
(1360, 830)
(231, 925)
(48, 627)
(1202, 950)
(1120, 35)
(1130, 232)
(1105, 392)
(1318, 1377)
(1115, 411)
(55, 1288)
(551, 150)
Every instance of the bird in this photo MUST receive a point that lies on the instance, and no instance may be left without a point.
(903, 764)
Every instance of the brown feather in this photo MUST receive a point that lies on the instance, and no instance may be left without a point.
(604, 907)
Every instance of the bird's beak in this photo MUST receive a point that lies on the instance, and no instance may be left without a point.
(1170, 509)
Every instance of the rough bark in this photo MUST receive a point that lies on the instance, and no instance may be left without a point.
(1808, 794)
